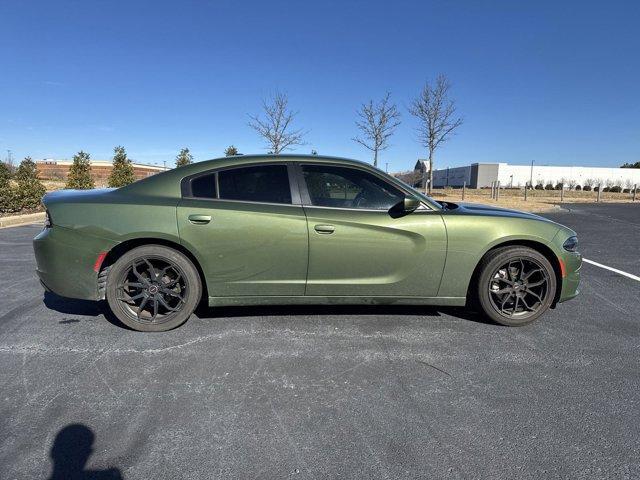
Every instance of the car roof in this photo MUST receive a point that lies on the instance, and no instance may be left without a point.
(286, 157)
(168, 182)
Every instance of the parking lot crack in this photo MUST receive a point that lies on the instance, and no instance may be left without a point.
(434, 367)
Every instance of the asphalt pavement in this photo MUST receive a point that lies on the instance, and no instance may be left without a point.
(328, 392)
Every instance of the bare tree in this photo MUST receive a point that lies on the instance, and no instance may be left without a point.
(377, 123)
(437, 116)
(276, 127)
(410, 177)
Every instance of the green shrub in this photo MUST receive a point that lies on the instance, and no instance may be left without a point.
(626, 190)
(29, 189)
(80, 172)
(184, 158)
(26, 171)
(559, 186)
(8, 201)
(122, 171)
(615, 189)
(539, 186)
(578, 188)
(5, 174)
(548, 186)
(29, 194)
(26, 193)
(232, 151)
(586, 188)
(6, 192)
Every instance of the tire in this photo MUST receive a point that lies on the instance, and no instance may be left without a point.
(515, 286)
(153, 288)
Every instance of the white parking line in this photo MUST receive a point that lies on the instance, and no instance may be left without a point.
(629, 275)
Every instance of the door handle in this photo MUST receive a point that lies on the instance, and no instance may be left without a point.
(324, 229)
(199, 219)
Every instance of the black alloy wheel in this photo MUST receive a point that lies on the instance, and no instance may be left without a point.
(519, 287)
(153, 288)
(516, 285)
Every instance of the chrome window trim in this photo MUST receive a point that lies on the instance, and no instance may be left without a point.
(304, 193)
(186, 193)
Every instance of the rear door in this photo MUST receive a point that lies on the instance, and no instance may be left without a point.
(357, 247)
(248, 230)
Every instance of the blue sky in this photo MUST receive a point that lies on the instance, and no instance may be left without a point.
(555, 82)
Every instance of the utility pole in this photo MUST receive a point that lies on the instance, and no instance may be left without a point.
(531, 179)
(386, 168)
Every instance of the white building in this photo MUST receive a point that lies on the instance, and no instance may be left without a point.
(479, 175)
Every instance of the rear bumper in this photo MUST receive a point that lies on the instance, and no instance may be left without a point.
(65, 261)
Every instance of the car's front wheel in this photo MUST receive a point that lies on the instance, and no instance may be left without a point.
(516, 285)
(153, 288)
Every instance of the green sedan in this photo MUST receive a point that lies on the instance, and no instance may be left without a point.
(292, 229)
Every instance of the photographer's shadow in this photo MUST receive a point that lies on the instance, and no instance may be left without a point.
(70, 453)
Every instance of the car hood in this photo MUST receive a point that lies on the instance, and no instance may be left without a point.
(75, 196)
(491, 211)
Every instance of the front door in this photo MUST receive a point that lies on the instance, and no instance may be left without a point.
(250, 237)
(356, 247)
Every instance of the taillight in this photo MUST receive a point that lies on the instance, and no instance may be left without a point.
(47, 220)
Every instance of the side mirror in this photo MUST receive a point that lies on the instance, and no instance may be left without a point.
(410, 204)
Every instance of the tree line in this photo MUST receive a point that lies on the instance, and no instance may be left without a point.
(21, 190)
(630, 165)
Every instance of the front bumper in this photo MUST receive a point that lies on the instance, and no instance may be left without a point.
(571, 280)
(65, 260)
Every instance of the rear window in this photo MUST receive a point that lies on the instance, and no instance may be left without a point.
(262, 183)
(204, 186)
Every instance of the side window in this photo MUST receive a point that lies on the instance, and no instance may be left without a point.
(262, 183)
(344, 187)
(204, 186)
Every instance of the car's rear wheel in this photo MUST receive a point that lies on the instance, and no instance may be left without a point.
(153, 288)
(516, 285)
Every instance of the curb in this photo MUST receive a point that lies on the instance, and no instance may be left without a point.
(16, 220)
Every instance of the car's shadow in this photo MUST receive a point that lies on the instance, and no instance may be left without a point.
(72, 306)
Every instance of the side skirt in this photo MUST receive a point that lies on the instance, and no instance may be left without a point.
(320, 300)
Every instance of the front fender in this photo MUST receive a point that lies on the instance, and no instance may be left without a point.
(471, 237)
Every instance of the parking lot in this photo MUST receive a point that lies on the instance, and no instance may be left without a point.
(326, 392)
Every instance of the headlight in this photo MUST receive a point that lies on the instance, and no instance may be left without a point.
(47, 220)
(571, 244)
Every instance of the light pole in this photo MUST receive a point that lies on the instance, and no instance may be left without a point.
(531, 179)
